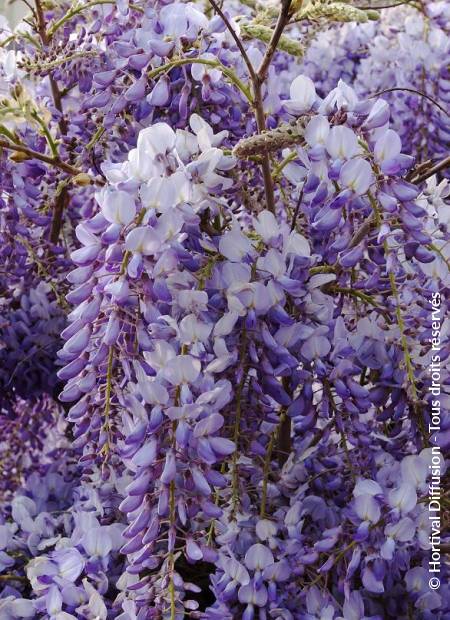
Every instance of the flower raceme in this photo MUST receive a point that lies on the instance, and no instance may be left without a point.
(180, 317)
(245, 389)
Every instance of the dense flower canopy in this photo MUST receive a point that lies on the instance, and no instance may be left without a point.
(224, 332)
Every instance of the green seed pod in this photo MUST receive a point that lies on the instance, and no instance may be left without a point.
(373, 15)
(272, 140)
(335, 11)
(254, 30)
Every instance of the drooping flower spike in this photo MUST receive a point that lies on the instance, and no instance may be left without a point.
(215, 332)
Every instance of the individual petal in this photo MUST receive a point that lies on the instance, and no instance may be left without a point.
(86, 255)
(379, 115)
(158, 139)
(118, 207)
(351, 257)
(367, 508)
(222, 446)
(208, 425)
(266, 226)
(414, 470)
(371, 582)
(53, 600)
(192, 330)
(153, 392)
(357, 175)
(388, 146)
(258, 557)
(402, 531)
(143, 240)
(327, 219)
(387, 549)
(97, 542)
(315, 347)
(24, 608)
(366, 486)
(341, 97)
(162, 353)
(416, 579)
(302, 95)
(298, 245)
(193, 551)
(342, 143)
(225, 324)
(317, 131)
(146, 455)
(112, 329)
(182, 369)
(70, 564)
(234, 245)
(79, 341)
(170, 468)
(353, 608)
(404, 498)
(72, 369)
(160, 94)
(200, 482)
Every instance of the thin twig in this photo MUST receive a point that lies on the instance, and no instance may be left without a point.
(362, 231)
(40, 23)
(415, 92)
(257, 79)
(261, 75)
(9, 577)
(62, 201)
(297, 209)
(441, 165)
(282, 21)
(265, 163)
(53, 161)
(236, 39)
(57, 98)
(45, 38)
(62, 198)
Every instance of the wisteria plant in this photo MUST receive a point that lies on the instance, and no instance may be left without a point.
(224, 293)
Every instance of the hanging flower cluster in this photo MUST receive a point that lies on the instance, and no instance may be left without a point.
(216, 335)
(408, 65)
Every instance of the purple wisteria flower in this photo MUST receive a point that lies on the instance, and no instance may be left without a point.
(223, 311)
